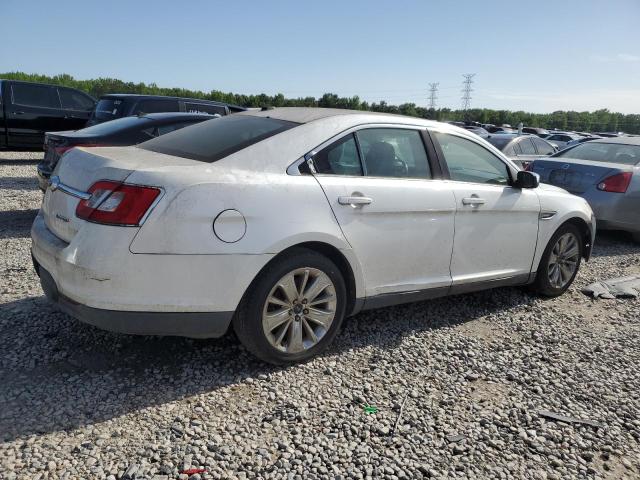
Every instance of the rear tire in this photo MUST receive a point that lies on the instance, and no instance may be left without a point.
(294, 308)
(560, 262)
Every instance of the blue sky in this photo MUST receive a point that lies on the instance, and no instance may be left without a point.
(541, 56)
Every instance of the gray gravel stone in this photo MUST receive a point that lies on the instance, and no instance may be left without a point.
(78, 402)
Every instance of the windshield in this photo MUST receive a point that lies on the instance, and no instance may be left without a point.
(113, 126)
(603, 152)
(215, 139)
(107, 109)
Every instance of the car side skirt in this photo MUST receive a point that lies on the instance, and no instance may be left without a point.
(390, 299)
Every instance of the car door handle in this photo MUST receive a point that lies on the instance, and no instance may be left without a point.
(473, 201)
(355, 200)
(19, 112)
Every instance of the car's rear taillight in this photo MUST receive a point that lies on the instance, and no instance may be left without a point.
(63, 149)
(116, 203)
(617, 183)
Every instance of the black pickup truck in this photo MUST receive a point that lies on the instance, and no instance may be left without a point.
(28, 110)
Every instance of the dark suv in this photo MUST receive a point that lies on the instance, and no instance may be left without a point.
(113, 106)
(27, 110)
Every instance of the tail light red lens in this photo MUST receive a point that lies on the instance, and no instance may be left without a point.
(116, 203)
(61, 150)
(617, 183)
(65, 148)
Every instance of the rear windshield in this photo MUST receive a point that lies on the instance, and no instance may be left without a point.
(108, 109)
(215, 139)
(499, 142)
(603, 152)
(108, 128)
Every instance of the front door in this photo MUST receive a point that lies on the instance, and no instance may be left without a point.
(496, 226)
(398, 220)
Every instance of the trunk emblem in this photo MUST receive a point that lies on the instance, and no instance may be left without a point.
(60, 217)
(54, 183)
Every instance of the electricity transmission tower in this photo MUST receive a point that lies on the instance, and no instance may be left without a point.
(466, 90)
(433, 90)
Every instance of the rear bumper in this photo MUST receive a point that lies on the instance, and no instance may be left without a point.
(614, 211)
(97, 280)
(179, 324)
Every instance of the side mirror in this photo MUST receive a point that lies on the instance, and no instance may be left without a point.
(527, 179)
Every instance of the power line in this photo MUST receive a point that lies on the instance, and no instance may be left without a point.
(466, 90)
(433, 91)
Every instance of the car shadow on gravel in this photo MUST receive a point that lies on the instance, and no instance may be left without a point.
(19, 183)
(59, 374)
(16, 223)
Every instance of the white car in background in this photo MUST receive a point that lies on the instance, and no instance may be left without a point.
(281, 223)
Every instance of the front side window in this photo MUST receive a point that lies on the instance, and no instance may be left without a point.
(393, 152)
(339, 158)
(214, 139)
(73, 100)
(469, 162)
(34, 95)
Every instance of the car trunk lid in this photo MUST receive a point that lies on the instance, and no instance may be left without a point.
(575, 176)
(82, 167)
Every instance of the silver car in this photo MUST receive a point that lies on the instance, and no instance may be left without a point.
(605, 172)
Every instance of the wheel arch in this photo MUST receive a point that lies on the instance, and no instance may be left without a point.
(585, 232)
(345, 261)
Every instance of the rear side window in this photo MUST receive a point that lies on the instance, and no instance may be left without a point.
(526, 147)
(544, 148)
(34, 95)
(215, 139)
(108, 109)
(469, 162)
(156, 106)
(74, 100)
(205, 108)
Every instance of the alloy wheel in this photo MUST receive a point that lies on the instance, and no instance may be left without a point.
(563, 261)
(299, 310)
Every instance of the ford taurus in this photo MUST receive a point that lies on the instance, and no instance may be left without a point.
(281, 223)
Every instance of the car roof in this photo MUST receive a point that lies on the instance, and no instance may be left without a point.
(311, 114)
(164, 97)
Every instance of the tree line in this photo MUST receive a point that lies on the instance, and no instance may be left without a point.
(599, 120)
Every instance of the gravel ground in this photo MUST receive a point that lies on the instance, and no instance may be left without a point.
(459, 384)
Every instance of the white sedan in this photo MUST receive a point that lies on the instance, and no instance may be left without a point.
(281, 223)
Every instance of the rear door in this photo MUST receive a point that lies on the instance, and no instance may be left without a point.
(33, 110)
(397, 216)
(77, 107)
(496, 225)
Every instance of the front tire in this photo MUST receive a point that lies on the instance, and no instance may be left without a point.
(294, 308)
(560, 262)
